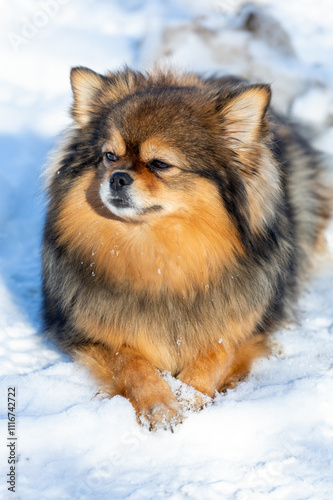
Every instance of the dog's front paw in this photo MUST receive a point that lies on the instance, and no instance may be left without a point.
(159, 414)
(155, 405)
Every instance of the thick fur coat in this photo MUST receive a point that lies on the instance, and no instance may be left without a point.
(182, 217)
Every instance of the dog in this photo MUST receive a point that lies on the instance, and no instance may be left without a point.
(183, 214)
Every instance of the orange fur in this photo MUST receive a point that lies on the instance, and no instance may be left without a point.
(184, 250)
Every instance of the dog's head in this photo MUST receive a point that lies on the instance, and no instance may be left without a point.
(163, 142)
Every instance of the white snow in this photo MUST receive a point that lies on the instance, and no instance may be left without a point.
(272, 436)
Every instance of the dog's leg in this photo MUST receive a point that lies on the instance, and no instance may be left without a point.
(255, 347)
(217, 369)
(127, 373)
(206, 371)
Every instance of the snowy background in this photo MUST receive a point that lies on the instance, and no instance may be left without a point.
(270, 438)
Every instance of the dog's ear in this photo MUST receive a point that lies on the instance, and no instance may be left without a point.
(243, 114)
(86, 86)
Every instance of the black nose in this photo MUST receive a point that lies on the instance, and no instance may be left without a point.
(120, 179)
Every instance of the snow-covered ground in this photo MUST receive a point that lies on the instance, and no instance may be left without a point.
(271, 437)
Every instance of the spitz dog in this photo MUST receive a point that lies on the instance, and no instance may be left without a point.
(182, 217)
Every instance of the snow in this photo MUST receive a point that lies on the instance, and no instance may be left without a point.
(272, 436)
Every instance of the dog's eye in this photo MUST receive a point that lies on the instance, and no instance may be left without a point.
(110, 156)
(158, 165)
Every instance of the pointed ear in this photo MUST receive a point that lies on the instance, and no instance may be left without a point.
(243, 114)
(86, 85)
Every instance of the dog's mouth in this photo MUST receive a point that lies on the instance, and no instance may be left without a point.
(120, 202)
(120, 205)
(124, 203)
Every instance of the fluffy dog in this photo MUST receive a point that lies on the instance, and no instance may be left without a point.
(181, 221)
